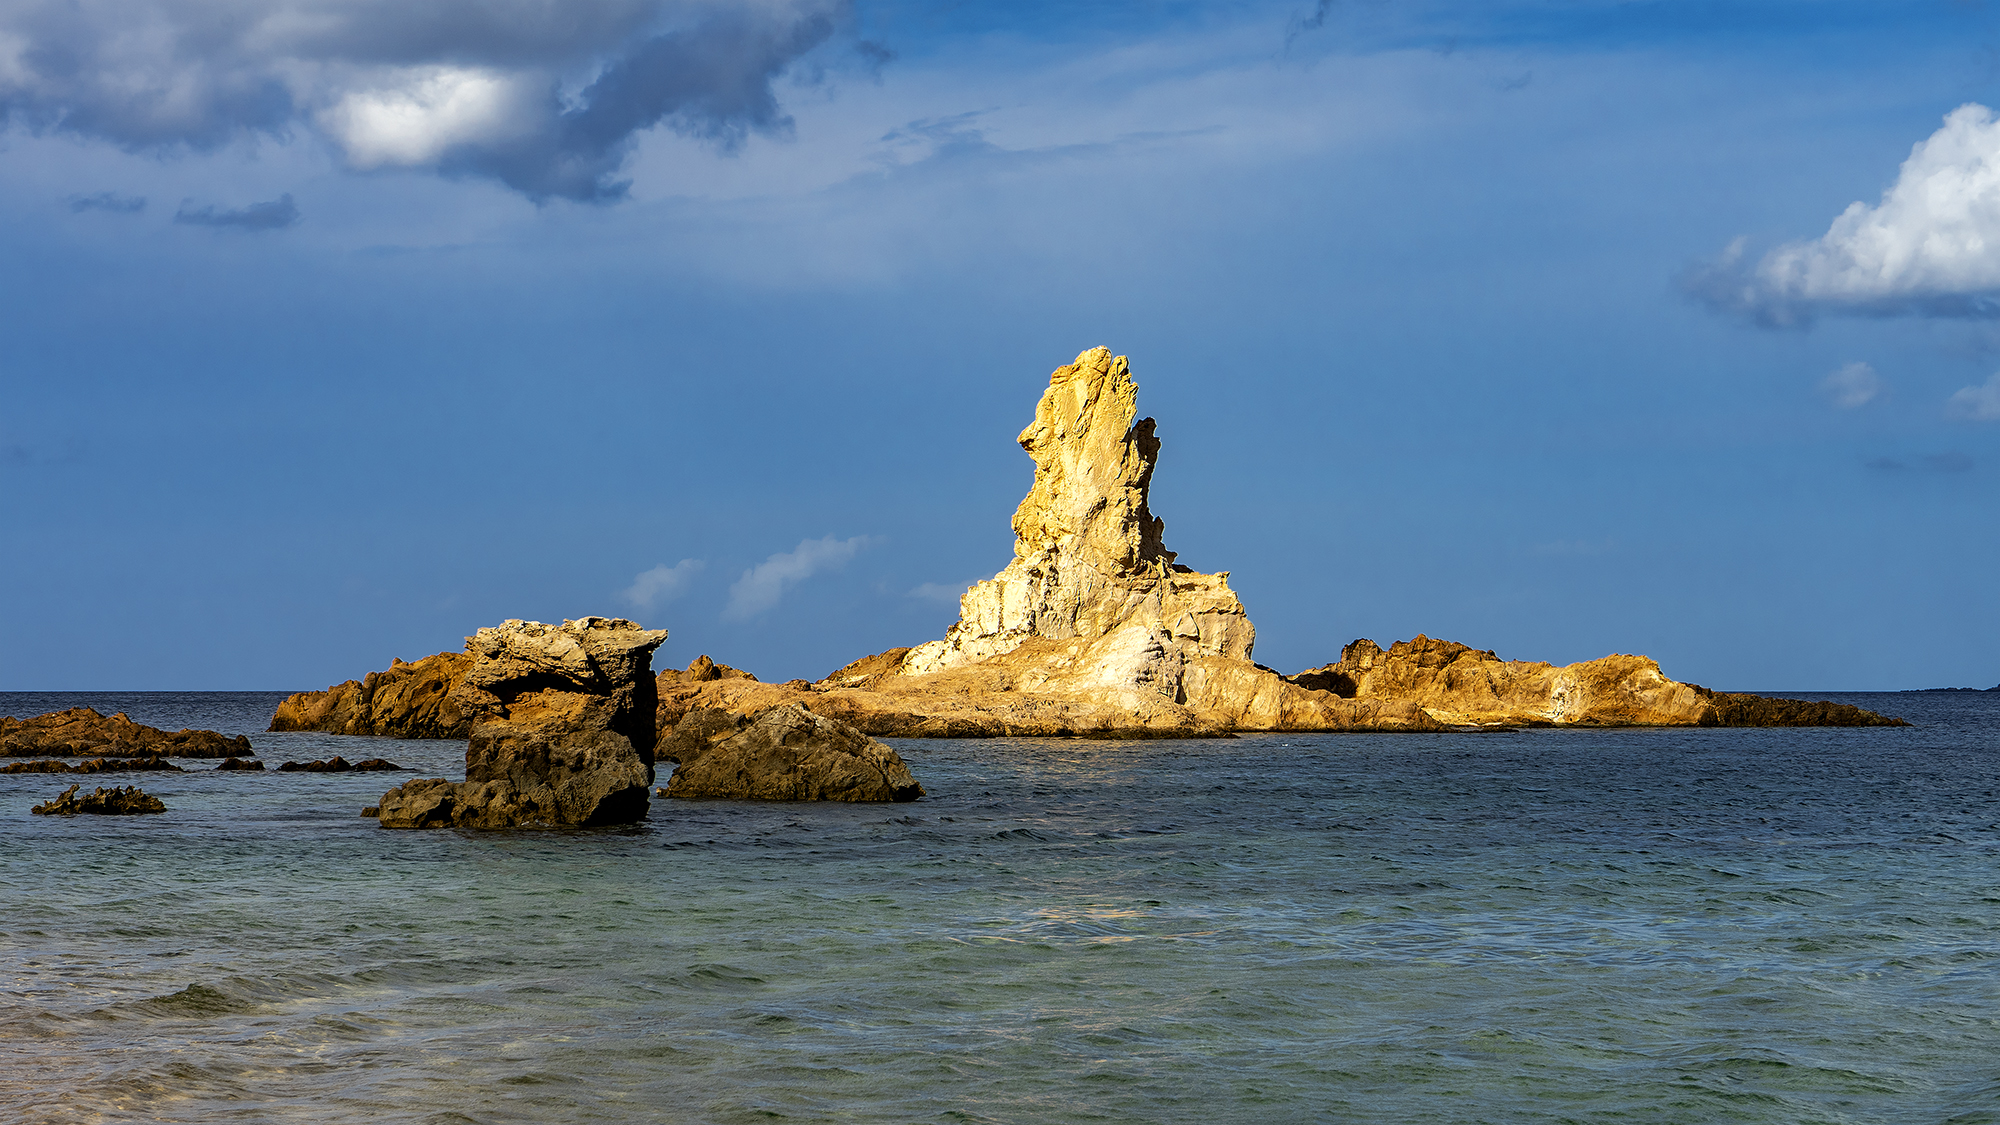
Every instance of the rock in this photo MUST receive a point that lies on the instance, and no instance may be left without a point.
(1462, 686)
(240, 764)
(562, 735)
(95, 765)
(124, 801)
(81, 732)
(1089, 562)
(338, 764)
(783, 753)
(409, 700)
(1735, 709)
(1095, 630)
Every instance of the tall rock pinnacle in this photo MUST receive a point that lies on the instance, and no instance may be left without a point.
(1088, 556)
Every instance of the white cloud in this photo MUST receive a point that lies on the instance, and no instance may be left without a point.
(662, 584)
(1930, 246)
(1854, 385)
(947, 593)
(1977, 404)
(415, 115)
(762, 585)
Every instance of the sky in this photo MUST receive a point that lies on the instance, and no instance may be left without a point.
(331, 330)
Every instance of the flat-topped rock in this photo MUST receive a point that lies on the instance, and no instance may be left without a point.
(82, 732)
(562, 730)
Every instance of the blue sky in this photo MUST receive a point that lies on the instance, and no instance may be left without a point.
(333, 332)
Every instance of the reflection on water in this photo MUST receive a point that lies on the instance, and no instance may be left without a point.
(1652, 926)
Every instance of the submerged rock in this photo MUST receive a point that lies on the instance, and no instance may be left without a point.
(562, 735)
(338, 764)
(122, 801)
(408, 700)
(95, 765)
(785, 753)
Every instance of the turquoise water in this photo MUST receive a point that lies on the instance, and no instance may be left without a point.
(1628, 926)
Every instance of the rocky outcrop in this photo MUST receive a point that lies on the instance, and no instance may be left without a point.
(1736, 709)
(562, 734)
(1095, 630)
(96, 765)
(783, 753)
(82, 732)
(240, 764)
(409, 700)
(1463, 686)
(123, 801)
(1089, 563)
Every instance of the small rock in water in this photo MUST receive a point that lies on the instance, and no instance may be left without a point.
(338, 764)
(240, 764)
(786, 753)
(125, 800)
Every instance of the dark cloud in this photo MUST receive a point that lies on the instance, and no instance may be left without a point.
(546, 96)
(108, 201)
(711, 81)
(276, 214)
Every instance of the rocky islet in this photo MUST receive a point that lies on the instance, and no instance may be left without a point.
(1095, 629)
(81, 732)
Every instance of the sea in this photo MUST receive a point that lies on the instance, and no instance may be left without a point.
(1687, 926)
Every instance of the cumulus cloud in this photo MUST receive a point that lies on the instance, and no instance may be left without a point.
(762, 585)
(1851, 387)
(1978, 403)
(277, 214)
(546, 96)
(662, 584)
(108, 201)
(1930, 247)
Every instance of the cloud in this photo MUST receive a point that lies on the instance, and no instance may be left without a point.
(546, 97)
(277, 214)
(1929, 463)
(1931, 247)
(762, 585)
(1976, 404)
(1853, 386)
(108, 201)
(662, 584)
(946, 593)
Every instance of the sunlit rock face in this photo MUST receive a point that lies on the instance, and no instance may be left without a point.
(1089, 563)
(1093, 630)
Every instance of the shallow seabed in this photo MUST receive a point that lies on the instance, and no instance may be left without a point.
(1635, 926)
